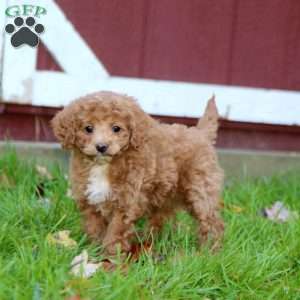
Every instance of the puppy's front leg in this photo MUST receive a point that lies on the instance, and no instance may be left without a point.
(129, 208)
(114, 234)
(120, 230)
(94, 223)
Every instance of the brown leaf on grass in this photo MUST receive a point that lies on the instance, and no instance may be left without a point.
(236, 209)
(61, 238)
(43, 172)
(81, 265)
(6, 181)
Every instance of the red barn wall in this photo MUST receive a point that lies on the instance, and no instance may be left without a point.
(235, 42)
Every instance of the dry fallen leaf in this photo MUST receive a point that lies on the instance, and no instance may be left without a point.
(6, 181)
(236, 209)
(279, 213)
(43, 172)
(80, 266)
(61, 238)
(69, 193)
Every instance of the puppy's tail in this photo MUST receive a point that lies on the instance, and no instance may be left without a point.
(209, 124)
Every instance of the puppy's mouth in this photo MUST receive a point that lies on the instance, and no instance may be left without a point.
(103, 158)
(104, 155)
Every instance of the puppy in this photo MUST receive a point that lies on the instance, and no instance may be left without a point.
(125, 165)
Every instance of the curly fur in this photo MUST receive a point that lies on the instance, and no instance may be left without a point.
(152, 169)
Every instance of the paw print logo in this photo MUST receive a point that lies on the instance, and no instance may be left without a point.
(27, 33)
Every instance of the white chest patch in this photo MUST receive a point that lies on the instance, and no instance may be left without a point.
(98, 188)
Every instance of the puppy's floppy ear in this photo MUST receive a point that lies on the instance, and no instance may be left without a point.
(64, 127)
(137, 138)
(140, 124)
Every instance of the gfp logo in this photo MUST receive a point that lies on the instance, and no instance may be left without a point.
(25, 30)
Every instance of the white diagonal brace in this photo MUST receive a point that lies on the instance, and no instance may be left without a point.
(66, 45)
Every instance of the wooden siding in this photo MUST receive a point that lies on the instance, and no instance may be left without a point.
(236, 42)
(32, 123)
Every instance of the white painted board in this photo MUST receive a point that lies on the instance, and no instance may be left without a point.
(177, 98)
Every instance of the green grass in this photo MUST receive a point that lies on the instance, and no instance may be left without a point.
(259, 259)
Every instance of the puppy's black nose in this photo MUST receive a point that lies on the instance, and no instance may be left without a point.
(102, 148)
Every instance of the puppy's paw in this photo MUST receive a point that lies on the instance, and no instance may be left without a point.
(116, 247)
(212, 235)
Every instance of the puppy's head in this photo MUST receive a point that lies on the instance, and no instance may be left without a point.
(101, 124)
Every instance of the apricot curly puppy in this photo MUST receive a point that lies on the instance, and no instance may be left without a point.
(126, 165)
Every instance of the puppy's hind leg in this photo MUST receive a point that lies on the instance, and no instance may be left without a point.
(157, 219)
(203, 199)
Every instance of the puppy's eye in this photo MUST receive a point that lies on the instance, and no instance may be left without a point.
(89, 129)
(116, 128)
